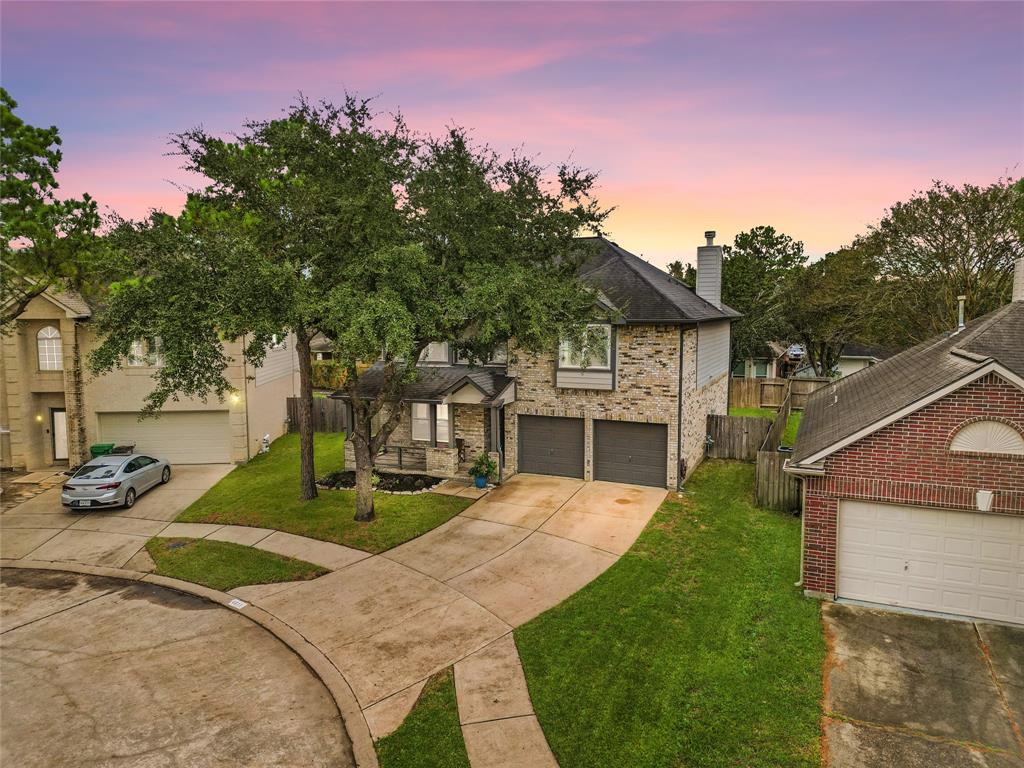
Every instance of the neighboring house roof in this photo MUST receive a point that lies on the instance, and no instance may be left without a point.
(435, 382)
(867, 351)
(875, 396)
(320, 343)
(642, 292)
(71, 302)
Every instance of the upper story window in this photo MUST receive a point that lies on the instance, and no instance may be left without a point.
(436, 352)
(51, 356)
(137, 354)
(278, 342)
(595, 353)
(143, 354)
(988, 437)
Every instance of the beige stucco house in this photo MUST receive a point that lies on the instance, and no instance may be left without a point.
(634, 411)
(52, 409)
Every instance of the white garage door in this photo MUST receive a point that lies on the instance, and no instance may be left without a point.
(182, 437)
(938, 560)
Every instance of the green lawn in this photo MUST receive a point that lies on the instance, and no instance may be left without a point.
(265, 493)
(224, 566)
(695, 649)
(792, 424)
(430, 737)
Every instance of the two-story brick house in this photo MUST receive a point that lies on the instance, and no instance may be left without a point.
(634, 411)
(913, 475)
(52, 409)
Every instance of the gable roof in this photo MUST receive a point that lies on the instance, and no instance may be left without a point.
(867, 398)
(642, 292)
(854, 349)
(434, 382)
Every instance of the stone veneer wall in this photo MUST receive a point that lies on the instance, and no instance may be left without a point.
(473, 426)
(646, 390)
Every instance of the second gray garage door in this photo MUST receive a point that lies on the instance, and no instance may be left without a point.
(631, 452)
(549, 445)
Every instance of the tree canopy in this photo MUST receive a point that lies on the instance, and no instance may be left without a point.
(754, 270)
(334, 220)
(46, 241)
(944, 242)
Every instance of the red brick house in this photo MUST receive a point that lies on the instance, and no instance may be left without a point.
(913, 475)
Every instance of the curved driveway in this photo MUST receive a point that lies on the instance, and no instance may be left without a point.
(99, 671)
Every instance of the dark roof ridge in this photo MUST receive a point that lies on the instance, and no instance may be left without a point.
(622, 253)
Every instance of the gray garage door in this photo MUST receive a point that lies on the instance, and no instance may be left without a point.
(631, 452)
(551, 446)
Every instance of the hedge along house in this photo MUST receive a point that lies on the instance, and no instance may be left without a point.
(913, 475)
(630, 412)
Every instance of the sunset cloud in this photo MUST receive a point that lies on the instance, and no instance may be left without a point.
(812, 117)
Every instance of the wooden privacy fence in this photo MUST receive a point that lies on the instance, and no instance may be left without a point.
(773, 487)
(769, 393)
(736, 437)
(328, 415)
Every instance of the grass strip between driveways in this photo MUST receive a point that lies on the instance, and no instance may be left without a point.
(224, 566)
(694, 649)
(792, 423)
(431, 736)
(264, 493)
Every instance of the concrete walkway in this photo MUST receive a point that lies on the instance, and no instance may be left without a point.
(388, 622)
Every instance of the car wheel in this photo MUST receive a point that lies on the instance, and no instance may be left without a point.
(166, 476)
(129, 498)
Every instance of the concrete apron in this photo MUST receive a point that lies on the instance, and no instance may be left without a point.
(388, 622)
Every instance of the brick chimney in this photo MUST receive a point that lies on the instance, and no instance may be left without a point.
(1018, 281)
(709, 271)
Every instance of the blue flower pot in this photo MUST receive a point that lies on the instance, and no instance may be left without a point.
(480, 481)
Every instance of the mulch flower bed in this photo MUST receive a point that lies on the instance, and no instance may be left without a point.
(390, 482)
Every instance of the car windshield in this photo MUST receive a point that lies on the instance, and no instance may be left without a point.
(97, 471)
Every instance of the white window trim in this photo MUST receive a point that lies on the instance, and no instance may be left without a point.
(49, 349)
(137, 354)
(565, 351)
(423, 421)
(443, 436)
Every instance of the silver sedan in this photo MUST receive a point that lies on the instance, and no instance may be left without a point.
(114, 480)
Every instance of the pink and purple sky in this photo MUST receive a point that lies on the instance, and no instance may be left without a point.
(812, 117)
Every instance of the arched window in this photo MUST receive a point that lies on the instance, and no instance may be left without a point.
(51, 358)
(988, 437)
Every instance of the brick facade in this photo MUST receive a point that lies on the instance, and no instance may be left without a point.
(909, 462)
(647, 389)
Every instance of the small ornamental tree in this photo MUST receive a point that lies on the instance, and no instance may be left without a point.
(45, 241)
(491, 257)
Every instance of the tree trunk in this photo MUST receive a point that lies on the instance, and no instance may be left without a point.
(364, 480)
(307, 469)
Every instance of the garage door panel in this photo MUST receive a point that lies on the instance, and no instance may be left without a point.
(631, 452)
(550, 445)
(180, 437)
(938, 560)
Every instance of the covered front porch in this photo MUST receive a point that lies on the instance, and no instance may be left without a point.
(450, 415)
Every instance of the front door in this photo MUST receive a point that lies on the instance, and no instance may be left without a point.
(59, 433)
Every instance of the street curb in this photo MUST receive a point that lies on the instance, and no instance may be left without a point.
(355, 724)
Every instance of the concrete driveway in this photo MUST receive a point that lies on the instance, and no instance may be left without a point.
(389, 622)
(100, 671)
(921, 692)
(42, 529)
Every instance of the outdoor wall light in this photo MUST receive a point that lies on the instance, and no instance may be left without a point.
(984, 499)
(235, 398)
(39, 418)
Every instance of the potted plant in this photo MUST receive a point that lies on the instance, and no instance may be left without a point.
(483, 469)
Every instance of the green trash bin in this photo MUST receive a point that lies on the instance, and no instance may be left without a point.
(100, 449)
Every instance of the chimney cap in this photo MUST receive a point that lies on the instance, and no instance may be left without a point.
(710, 235)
